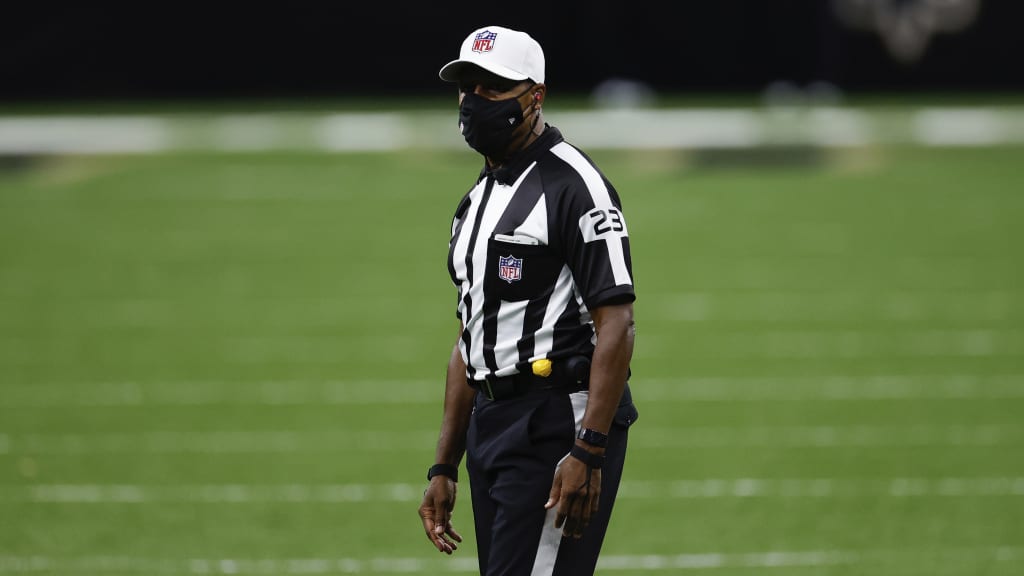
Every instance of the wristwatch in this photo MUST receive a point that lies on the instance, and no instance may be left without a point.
(449, 470)
(593, 437)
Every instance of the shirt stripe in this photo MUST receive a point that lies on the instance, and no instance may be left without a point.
(469, 315)
(536, 224)
(511, 317)
(545, 337)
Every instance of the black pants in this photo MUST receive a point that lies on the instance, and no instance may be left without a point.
(513, 448)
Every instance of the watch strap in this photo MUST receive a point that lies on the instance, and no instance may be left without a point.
(449, 470)
(593, 461)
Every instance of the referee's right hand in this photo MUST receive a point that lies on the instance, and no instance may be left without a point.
(436, 513)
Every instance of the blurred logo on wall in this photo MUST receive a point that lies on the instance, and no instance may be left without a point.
(907, 26)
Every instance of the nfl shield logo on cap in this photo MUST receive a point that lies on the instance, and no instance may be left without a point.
(510, 268)
(484, 41)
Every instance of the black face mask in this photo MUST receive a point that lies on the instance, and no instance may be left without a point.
(489, 125)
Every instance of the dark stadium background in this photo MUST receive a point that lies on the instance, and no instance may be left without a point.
(91, 51)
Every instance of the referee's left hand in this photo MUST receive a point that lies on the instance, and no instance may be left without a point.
(436, 513)
(576, 496)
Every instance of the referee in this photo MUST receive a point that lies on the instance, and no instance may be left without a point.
(536, 394)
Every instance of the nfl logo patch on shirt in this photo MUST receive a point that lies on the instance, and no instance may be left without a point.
(484, 41)
(510, 268)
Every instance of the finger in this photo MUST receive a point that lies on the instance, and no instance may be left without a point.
(566, 516)
(571, 519)
(447, 515)
(450, 545)
(427, 516)
(588, 497)
(555, 493)
(586, 513)
(437, 540)
(428, 527)
(564, 503)
(596, 486)
(451, 537)
(442, 544)
(442, 515)
(439, 543)
(593, 498)
(455, 535)
(581, 514)
(559, 520)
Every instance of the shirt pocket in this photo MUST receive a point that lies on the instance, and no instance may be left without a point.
(517, 271)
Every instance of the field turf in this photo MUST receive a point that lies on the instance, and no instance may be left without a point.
(234, 363)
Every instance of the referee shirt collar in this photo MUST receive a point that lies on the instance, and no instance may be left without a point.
(509, 172)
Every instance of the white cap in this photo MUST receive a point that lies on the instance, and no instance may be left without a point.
(508, 53)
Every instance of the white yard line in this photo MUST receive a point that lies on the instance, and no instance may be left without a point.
(877, 558)
(365, 392)
(319, 441)
(832, 388)
(745, 343)
(825, 436)
(635, 129)
(777, 306)
(398, 492)
(742, 342)
(84, 134)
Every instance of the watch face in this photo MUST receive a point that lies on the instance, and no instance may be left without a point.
(593, 437)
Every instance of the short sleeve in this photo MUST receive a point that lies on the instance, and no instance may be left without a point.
(594, 234)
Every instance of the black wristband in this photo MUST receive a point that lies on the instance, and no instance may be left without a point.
(448, 470)
(593, 437)
(594, 461)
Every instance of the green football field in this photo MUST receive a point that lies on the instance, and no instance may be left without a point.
(234, 363)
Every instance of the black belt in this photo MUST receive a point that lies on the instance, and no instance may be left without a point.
(570, 375)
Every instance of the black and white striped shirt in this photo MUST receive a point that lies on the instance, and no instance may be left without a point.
(536, 245)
